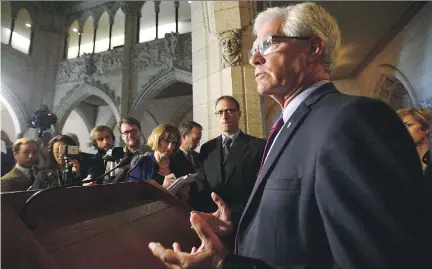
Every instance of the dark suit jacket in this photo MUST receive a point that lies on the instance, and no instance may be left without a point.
(335, 191)
(234, 186)
(97, 166)
(180, 165)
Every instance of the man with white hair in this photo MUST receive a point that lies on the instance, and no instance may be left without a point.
(336, 186)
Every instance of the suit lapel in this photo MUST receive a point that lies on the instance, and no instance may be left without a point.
(280, 143)
(17, 173)
(236, 153)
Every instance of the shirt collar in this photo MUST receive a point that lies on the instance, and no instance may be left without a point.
(295, 103)
(24, 170)
(233, 136)
(184, 151)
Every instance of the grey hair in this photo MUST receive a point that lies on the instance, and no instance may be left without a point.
(306, 19)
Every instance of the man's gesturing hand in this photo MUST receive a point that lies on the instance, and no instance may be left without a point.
(210, 254)
(220, 221)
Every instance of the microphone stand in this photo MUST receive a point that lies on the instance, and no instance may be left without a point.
(67, 171)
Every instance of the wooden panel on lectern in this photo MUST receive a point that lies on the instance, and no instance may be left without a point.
(106, 226)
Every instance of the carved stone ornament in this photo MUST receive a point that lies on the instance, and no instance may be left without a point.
(229, 43)
(172, 51)
(75, 70)
(105, 88)
(425, 103)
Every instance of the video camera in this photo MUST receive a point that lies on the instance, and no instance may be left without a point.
(42, 119)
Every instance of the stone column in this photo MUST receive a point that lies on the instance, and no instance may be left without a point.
(221, 39)
(129, 83)
(47, 52)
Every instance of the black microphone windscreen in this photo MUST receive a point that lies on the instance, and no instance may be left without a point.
(125, 161)
(113, 154)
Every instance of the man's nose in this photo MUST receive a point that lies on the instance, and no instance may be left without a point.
(257, 59)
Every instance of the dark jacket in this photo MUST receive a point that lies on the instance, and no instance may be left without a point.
(7, 161)
(233, 180)
(181, 166)
(336, 191)
(97, 166)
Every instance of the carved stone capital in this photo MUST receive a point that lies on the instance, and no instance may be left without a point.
(230, 47)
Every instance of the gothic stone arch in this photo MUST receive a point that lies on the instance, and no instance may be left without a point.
(75, 96)
(156, 85)
(15, 108)
(394, 88)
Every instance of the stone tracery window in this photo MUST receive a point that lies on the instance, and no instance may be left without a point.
(118, 31)
(393, 92)
(21, 36)
(87, 35)
(6, 20)
(102, 36)
(74, 33)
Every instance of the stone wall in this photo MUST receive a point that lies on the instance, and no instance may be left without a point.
(408, 58)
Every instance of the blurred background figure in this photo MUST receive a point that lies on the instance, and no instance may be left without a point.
(43, 142)
(7, 159)
(185, 160)
(23, 174)
(418, 122)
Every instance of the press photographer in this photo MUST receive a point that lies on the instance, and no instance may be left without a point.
(42, 120)
(63, 165)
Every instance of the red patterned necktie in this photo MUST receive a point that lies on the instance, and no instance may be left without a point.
(273, 132)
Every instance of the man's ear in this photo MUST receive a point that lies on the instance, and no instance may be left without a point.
(316, 48)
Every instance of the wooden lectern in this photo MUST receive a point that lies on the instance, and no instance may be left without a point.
(103, 226)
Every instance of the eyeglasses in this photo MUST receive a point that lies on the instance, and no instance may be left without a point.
(130, 132)
(265, 47)
(220, 113)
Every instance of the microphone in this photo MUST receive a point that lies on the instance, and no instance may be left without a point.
(114, 154)
(22, 213)
(137, 161)
(123, 162)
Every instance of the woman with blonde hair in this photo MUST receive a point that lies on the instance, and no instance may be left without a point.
(164, 141)
(418, 122)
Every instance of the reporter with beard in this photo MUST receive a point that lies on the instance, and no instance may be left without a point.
(102, 139)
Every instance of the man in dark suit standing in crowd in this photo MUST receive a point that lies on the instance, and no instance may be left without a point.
(23, 174)
(229, 163)
(185, 160)
(336, 189)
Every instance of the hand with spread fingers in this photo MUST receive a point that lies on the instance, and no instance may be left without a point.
(209, 255)
(220, 221)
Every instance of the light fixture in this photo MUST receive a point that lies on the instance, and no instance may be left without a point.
(75, 30)
(189, 2)
(28, 25)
